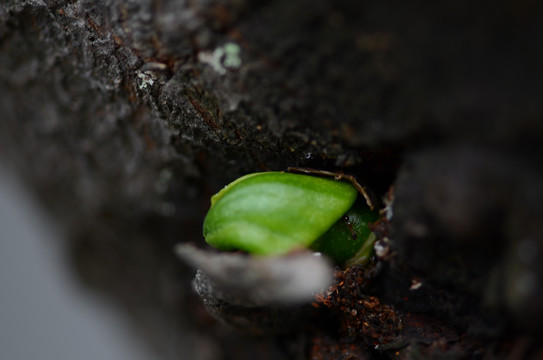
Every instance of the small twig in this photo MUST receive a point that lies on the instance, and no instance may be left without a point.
(337, 176)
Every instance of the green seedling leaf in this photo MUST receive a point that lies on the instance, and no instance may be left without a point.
(273, 213)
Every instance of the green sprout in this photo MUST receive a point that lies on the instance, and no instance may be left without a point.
(274, 213)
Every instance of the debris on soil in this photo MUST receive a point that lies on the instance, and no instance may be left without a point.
(362, 317)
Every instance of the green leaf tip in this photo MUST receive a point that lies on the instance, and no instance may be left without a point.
(349, 241)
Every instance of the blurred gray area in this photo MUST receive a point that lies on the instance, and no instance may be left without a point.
(258, 281)
(44, 313)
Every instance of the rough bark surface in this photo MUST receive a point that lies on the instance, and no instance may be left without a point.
(125, 116)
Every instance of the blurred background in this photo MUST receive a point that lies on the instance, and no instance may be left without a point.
(45, 312)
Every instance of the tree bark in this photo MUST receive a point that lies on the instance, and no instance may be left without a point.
(124, 117)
